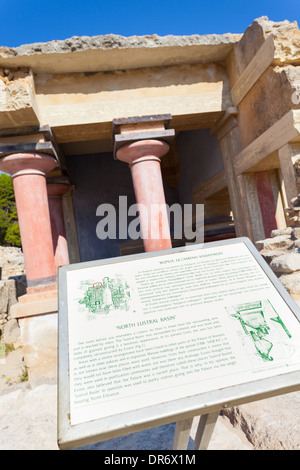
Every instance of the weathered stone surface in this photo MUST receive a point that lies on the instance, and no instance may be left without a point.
(33, 426)
(286, 36)
(110, 52)
(286, 263)
(21, 284)
(270, 255)
(266, 425)
(11, 262)
(11, 333)
(271, 424)
(284, 231)
(17, 107)
(291, 282)
(3, 297)
(276, 243)
(7, 295)
(296, 233)
(114, 41)
(39, 340)
(276, 86)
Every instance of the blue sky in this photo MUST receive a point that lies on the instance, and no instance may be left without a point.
(28, 21)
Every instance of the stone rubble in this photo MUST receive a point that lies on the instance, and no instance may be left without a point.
(12, 280)
(282, 252)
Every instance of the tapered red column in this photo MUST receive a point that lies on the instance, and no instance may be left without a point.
(143, 157)
(28, 174)
(60, 244)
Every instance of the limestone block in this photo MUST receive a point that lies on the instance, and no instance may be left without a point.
(286, 263)
(286, 41)
(275, 87)
(39, 339)
(11, 333)
(244, 51)
(81, 99)
(271, 424)
(278, 81)
(291, 282)
(271, 255)
(279, 242)
(3, 297)
(283, 231)
(111, 52)
(17, 101)
(296, 233)
(7, 295)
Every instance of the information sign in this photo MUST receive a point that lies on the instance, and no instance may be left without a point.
(146, 339)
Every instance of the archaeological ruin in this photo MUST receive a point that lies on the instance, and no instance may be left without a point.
(211, 120)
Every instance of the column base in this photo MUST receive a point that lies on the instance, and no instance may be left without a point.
(36, 313)
(35, 303)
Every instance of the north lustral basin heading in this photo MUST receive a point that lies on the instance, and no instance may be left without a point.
(145, 322)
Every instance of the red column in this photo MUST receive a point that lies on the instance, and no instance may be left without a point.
(60, 244)
(266, 201)
(28, 173)
(143, 158)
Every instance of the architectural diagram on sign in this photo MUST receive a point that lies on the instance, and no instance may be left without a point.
(263, 325)
(104, 296)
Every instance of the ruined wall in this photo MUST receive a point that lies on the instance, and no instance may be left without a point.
(17, 98)
(12, 280)
(271, 97)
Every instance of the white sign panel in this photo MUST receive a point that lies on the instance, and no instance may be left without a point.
(146, 331)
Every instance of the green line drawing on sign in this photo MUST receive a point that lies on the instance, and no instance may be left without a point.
(106, 295)
(256, 320)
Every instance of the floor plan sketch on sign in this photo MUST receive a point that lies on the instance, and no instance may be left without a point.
(262, 326)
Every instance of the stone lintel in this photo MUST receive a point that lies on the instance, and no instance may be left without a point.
(111, 52)
(35, 304)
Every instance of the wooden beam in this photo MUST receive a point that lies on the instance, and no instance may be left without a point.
(285, 130)
(250, 211)
(258, 65)
(278, 198)
(210, 187)
(230, 146)
(266, 201)
(288, 172)
(71, 227)
(225, 123)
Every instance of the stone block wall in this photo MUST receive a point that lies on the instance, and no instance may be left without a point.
(12, 280)
(282, 252)
(7, 299)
